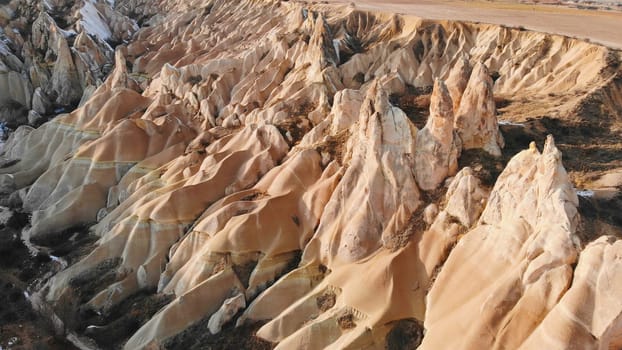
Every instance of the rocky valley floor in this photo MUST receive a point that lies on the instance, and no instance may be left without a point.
(214, 174)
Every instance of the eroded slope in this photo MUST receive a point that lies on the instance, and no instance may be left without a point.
(336, 175)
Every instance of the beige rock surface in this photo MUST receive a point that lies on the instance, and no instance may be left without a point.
(476, 116)
(437, 147)
(527, 260)
(333, 174)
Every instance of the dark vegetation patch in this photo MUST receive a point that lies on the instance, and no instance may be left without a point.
(293, 263)
(588, 136)
(415, 102)
(605, 209)
(198, 337)
(346, 321)
(350, 46)
(501, 102)
(296, 220)
(415, 225)
(406, 334)
(334, 146)
(195, 79)
(13, 114)
(87, 284)
(517, 138)
(294, 128)
(586, 145)
(359, 77)
(255, 195)
(599, 212)
(326, 301)
(243, 271)
(9, 163)
(114, 328)
(21, 328)
(71, 245)
(486, 167)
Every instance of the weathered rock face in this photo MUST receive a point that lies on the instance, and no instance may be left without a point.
(586, 315)
(275, 162)
(381, 147)
(437, 149)
(476, 116)
(528, 260)
(457, 81)
(64, 82)
(45, 67)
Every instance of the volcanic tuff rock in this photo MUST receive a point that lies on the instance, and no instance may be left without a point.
(55, 51)
(528, 258)
(332, 175)
(437, 148)
(476, 116)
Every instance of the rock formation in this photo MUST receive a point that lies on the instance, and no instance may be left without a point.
(530, 259)
(476, 116)
(308, 174)
(437, 148)
(43, 62)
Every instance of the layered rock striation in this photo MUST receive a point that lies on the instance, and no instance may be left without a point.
(304, 168)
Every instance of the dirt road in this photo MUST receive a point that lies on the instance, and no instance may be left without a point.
(604, 27)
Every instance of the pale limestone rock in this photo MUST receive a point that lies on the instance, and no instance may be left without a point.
(119, 77)
(464, 202)
(466, 198)
(229, 308)
(588, 315)
(344, 112)
(15, 88)
(14, 148)
(40, 103)
(321, 52)
(393, 83)
(476, 118)
(35, 118)
(381, 147)
(526, 240)
(437, 149)
(86, 95)
(65, 83)
(429, 213)
(7, 184)
(285, 190)
(457, 81)
(45, 33)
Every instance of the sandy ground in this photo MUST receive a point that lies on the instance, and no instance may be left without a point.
(604, 27)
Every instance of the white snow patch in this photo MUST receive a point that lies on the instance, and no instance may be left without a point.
(4, 44)
(3, 136)
(59, 261)
(47, 5)
(336, 46)
(505, 122)
(93, 22)
(68, 33)
(585, 193)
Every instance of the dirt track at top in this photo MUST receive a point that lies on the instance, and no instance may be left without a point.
(603, 27)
